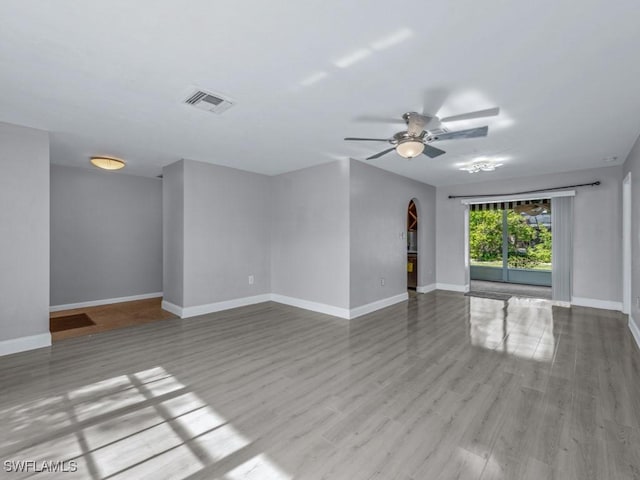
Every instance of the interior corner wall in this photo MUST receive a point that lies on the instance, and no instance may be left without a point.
(632, 164)
(106, 235)
(24, 238)
(379, 201)
(227, 213)
(597, 264)
(173, 233)
(310, 234)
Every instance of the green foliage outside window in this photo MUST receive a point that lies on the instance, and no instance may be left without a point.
(529, 246)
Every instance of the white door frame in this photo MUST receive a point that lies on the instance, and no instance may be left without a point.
(626, 244)
(467, 251)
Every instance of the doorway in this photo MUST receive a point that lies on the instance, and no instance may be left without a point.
(510, 248)
(412, 246)
(626, 244)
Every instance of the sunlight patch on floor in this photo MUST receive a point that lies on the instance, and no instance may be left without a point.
(146, 424)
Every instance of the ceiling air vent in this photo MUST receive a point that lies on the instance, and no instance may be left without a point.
(211, 102)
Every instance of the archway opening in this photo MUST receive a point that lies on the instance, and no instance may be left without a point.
(412, 246)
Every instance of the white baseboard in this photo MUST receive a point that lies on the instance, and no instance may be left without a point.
(426, 288)
(635, 331)
(313, 306)
(106, 301)
(560, 303)
(451, 287)
(171, 307)
(186, 312)
(595, 303)
(377, 305)
(22, 344)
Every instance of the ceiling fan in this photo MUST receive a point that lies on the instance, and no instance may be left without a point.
(423, 129)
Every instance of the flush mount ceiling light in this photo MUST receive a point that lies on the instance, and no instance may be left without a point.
(481, 167)
(409, 148)
(107, 163)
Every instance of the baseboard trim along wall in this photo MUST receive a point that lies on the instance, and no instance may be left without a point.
(21, 344)
(106, 301)
(595, 303)
(313, 306)
(635, 331)
(171, 307)
(187, 312)
(451, 287)
(347, 314)
(377, 305)
(426, 288)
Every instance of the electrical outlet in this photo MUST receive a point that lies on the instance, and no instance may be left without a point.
(382, 281)
(250, 279)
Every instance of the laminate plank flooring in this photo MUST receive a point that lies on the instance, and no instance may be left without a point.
(443, 386)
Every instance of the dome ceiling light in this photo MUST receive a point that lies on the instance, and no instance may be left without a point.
(108, 163)
(410, 147)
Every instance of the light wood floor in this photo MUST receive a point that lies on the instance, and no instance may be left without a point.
(112, 316)
(441, 387)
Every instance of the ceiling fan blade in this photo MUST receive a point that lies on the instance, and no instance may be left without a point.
(432, 152)
(489, 112)
(469, 133)
(434, 98)
(377, 119)
(368, 139)
(378, 155)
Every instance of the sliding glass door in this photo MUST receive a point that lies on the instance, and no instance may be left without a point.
(529, 247)
(511, 242)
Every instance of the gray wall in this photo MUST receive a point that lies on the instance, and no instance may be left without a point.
(106, 235)
(24, 232)
(225, 232)
(378, 211)
(310, 234)
(632, 164)
(173, 233)
(597, 267)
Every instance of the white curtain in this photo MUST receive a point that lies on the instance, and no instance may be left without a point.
(562, 248)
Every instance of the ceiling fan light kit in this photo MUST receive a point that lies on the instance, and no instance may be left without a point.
(410, 147)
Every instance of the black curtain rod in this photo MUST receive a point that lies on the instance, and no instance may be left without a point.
(527, 192)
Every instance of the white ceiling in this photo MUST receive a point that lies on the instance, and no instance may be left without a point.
(109, 77)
